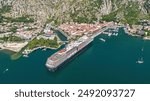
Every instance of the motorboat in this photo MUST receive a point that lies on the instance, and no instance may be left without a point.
(102, 39)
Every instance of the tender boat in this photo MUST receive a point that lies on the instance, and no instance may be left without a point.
(44, 49)
(102, 39)
(109, 34)
(116, 34)
(5, 70)
(140, 61)
(25, 55)
(142, 49)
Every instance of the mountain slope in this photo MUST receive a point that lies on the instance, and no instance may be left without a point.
(60, 11)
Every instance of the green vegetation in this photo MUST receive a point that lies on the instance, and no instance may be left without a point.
(77, 37)
(24, 19)
(13, 29)
(110, 17)
(55, 21)
(83, 18)
(5, 9)
(97, 3)
(55, 39)
(41, 33)
(147, 7)
(42, 42)
(86, 12)
(11, 38)
(148, 32)
(131, 13)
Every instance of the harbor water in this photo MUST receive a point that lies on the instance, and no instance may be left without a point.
(113, 61)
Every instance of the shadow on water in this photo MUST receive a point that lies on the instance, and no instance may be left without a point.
(7, 52)
(61, 36)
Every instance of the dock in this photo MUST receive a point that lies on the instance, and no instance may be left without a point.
(99, 32)
(126, 31)
(104, 29)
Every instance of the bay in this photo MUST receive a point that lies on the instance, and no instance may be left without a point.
(110, 62)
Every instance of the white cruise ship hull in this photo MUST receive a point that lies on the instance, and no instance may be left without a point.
(68, 58)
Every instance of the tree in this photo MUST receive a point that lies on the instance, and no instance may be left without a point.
(55, 39)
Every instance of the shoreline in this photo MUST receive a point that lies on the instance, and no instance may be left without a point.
(29, 51)
(135, 35)
(14, 47)
(16, 55)
(146, 38)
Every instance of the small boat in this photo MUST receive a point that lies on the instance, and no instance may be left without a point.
(116, 34)
(109, 34)
(25, 55)
(102, 39)
(44, 49)
(5, 71)
(140, 61)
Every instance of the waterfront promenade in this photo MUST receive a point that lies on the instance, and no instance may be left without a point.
(104, 29)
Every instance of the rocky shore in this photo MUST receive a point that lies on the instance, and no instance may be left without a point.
(15, 47)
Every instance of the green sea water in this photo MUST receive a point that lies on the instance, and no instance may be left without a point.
(110, 62)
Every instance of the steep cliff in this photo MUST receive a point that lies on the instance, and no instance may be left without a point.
(60, 11)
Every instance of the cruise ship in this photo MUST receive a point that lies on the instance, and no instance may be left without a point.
(65, 54)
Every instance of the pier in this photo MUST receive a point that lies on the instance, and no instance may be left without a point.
(104, 29)
(101, 31)
(126, 30)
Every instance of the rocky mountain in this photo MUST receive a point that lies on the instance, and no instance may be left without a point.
(59, 11)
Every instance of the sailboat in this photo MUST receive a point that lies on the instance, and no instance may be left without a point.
(140, 61)
(142, 49)
(5, 71)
